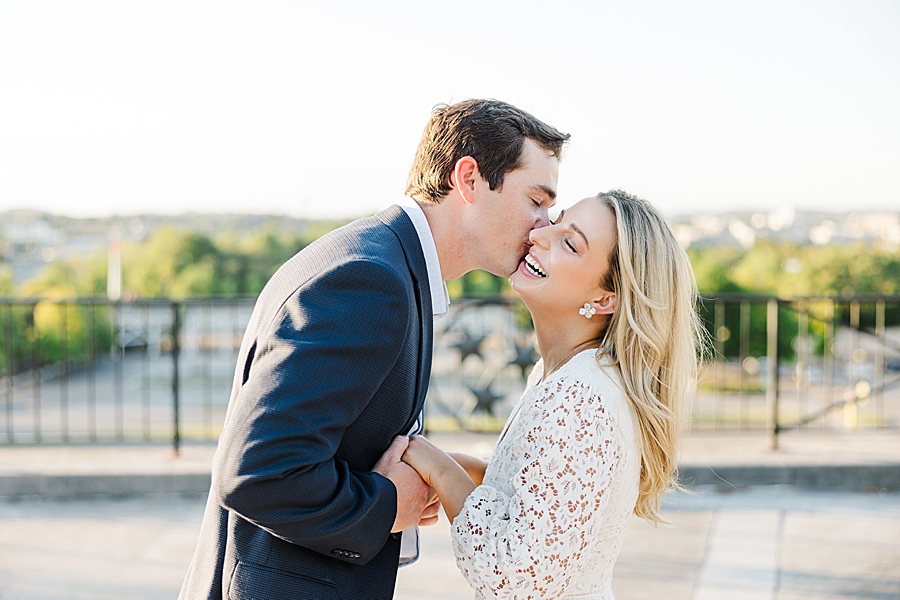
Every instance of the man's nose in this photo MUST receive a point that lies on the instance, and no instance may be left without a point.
(543, 218)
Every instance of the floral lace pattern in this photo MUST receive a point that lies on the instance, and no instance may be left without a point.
(549, 519)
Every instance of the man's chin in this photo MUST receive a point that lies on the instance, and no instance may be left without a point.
(506, 271)
(503, 272)
(516, 266)
(511, 272)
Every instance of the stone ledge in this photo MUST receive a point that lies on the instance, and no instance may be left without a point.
(79, 486)
(826, 477)
(833, 477)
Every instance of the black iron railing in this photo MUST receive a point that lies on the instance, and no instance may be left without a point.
(837, 363)
(91, 370)
(87, 370)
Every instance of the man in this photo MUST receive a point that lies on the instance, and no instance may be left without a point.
(335, 365)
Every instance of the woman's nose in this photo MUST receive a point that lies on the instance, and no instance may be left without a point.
(538, 236)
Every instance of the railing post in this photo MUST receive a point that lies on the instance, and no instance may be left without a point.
(744, 353)
(10, 369)
(828, 358)
(878, 375)
(772, 360)
(851, 400)
(118, 350)
(802, 374)
(36, 373)
(64, 371)
(176, 334)
(91, 341)
(719, 320)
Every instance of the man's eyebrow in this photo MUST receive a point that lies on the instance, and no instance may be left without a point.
(550, 192)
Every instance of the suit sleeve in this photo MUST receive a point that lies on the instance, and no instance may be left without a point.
(328, 350)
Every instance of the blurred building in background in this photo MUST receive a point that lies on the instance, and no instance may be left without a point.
(879, 229)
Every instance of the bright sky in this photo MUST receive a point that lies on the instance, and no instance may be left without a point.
(314, 109)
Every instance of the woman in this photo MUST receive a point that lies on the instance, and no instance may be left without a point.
(594, 437)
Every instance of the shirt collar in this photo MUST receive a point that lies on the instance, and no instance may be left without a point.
(440, 299)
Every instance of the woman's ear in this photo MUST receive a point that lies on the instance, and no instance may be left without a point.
(465, 173)
(605, 304)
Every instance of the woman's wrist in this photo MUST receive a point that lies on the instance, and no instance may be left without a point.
(474, 467)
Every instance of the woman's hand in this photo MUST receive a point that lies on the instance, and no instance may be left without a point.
(425, 457)
(440, 471)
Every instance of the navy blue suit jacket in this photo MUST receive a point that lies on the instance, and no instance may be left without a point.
(335, 362)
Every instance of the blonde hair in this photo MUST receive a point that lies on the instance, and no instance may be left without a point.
(653, 337)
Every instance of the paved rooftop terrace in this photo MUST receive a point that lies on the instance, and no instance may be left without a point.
(121, 521)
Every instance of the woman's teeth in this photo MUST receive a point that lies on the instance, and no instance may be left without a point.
(533, 266)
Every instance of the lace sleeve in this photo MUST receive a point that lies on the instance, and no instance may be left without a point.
(531, 544)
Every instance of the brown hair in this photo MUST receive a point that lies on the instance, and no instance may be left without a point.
(490, 131)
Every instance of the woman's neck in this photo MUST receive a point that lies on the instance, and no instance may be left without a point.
(558, 344)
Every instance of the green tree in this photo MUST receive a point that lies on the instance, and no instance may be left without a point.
(6, 281)
(56, 325)
(790, 271)
(477, 284)
(251, 260)
(712, 269)
(167, 265)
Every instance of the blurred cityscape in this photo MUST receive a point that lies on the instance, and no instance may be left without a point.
(29, 240)
(879, 229)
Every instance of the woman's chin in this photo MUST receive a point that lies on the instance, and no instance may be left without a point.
(521, 279)
(514, 278)
(518, 282)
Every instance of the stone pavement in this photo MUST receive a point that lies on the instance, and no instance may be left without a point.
(121, 521)
(772, 543)
(766, 543)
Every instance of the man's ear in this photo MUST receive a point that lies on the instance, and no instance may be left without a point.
(465, 174)
(605, 304)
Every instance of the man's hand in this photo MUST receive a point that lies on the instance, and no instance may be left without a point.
(412, 491)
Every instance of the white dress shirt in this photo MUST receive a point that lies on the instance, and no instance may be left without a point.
(440, 305)
(440, 299)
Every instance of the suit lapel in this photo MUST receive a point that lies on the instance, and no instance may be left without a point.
(398, 221)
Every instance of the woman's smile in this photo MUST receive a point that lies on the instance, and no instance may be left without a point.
(533, 267)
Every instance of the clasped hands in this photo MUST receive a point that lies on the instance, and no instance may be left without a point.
(410, 464)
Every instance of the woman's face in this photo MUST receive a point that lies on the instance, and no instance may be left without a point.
(569, 258)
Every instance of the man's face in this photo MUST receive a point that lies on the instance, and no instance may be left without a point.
(509, 213)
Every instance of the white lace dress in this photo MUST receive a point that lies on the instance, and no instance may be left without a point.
(549, 519)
